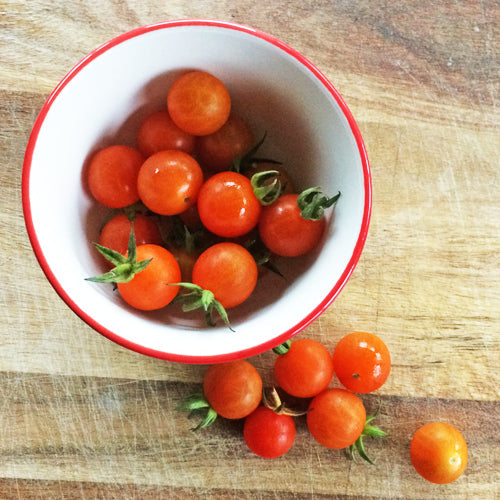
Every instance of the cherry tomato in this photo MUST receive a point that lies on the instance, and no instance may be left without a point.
(191, 218)
(283, 176)
(198, 103)
(218, 150)
(336, 418)
(112, 176)
(169, 182)
(267, 433)
(362, 362)
(305, 370)
(227, 205)
(115, 233)
(159, 133)
(438, 452)
(285, 232)
(229, 271)
(233, 389)
(149, 289)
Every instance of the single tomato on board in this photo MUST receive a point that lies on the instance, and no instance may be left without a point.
(438, 452)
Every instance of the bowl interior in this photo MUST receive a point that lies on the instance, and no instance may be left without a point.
(103, 100)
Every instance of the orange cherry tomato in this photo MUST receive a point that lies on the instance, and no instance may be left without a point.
(159, 133)
(229, 271)
(115, 233)
(305, 369)
(169, 182)
(438, 452)
(198, 103)
(149, 289)
(336, 418)
(362, 362)
(285, 232)
(112, 176)
(218, 150)
(227, 205)
(233, 389)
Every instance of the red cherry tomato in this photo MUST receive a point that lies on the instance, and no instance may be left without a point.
(198, 103)
(285, 232)
(438, 452)
(149, 289)
(227, 205)
(305, 370)
(159, 133)
(362, 362)
(112, 176)
(115, 233)
(283, 176)
(218, 150)
(229, 271)
(267, 433)
(336, 418)
(169, 182)
(233, 389)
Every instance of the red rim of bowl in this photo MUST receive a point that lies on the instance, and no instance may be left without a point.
(282, 337)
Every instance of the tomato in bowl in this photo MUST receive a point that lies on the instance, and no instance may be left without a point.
(104, 99)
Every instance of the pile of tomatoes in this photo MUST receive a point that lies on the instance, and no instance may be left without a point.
(208, 214)
(336, 416)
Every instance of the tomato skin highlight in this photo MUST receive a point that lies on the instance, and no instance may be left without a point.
(336, 418)
(169, 182)
(229, 271)
(305, 370)
(438, 452)
(233, 389)
(362, 362)
(285, 232)
(159, 133)
(115, 233)
(227, 205)
(198, 103)
(149, 289)
(112, 176)
(267, 433)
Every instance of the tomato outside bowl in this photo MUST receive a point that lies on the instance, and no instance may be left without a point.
(102, 100)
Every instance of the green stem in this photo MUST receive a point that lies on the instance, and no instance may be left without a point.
(312, 203)
(283, 348)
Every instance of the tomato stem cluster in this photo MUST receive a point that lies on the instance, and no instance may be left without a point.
(312, 203)
(196, 405)
(358, 445)
(126, 267)
(198, 298)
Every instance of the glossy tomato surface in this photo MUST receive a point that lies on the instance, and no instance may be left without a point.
(438, 452)
(305, 370)
(233, 389)
(199, 103)
(336, 418)
(112, 175)
(267, 433)
(227, 205)
(149, 289)
(285, 232)
(169, 182)
(362, 362)
(229, 271)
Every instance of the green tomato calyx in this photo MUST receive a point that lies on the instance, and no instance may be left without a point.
(126, 267)
(368, 430)
(199, 298)
(197, 405)
(312, 203)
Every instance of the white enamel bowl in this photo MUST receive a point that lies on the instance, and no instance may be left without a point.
(101, 101)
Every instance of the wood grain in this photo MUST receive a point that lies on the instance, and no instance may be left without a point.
(84, 418)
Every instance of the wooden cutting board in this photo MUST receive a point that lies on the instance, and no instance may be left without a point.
(85, 418)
